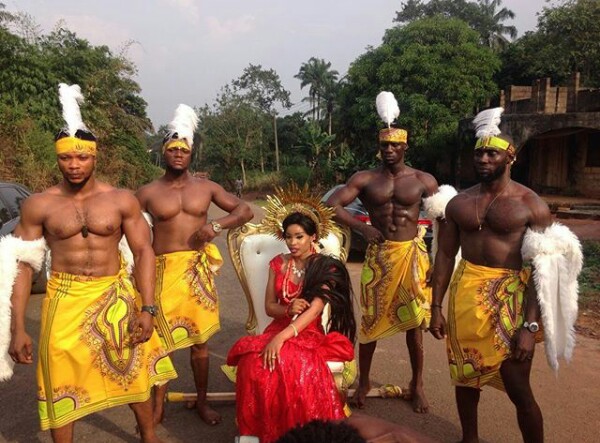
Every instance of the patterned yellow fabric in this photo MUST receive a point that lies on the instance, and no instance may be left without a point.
(485, 309)
(74, 144)
(186, 296)
(394, 293)
(393, 135)
(86, 360)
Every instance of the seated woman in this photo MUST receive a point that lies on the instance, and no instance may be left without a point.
(282, 375)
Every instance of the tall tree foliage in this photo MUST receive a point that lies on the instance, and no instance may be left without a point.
(438, 71)
(30, 71)
(487, 17)
(235, 130)
(317, 74)
(566, 40)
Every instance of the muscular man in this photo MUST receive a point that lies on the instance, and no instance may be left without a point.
(493, 310)
(394, 296)
(188, 308)
(97, 348)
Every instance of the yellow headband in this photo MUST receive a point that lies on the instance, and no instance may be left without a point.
(393, 135)
(74, 144)
(176, 143)
(494, 143)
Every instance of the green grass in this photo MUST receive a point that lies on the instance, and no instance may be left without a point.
(589, 279)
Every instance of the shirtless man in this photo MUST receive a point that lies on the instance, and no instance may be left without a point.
(493, 312)
(94, 341)
(187, 301)
(392, 297)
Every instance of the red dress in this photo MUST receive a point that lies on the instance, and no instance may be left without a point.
(300, 388)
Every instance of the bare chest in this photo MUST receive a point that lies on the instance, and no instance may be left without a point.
(93, 216)
(402, 192)
(502, 216)
(170, 203)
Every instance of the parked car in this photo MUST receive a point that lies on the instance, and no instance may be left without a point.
(11, 196)
(358, 211)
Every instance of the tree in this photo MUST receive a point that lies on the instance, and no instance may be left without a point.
(566, 40)
(317, 74)
(438, 71)
(233, 133)
(264, 89)
(31, 67)
(484, 16)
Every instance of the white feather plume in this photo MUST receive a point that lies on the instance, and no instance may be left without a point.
(486, 122)
(184, 123)
(387, 107)
(70, 98)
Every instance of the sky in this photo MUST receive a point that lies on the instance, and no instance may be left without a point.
(186, 50)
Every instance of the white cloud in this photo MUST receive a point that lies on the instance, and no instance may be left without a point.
(189, 9)
(226, 29)
(102, 32)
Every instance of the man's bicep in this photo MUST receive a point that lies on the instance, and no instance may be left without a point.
(30, 226)
(541, 217)
(345, 194)
(135, 227)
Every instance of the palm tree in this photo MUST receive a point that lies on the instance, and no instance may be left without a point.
(491, 29)
(318, 74)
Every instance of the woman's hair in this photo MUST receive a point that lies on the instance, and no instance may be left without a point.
(298, 218)
(327, 278)
(319, 431)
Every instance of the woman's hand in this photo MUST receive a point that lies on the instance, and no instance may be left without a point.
(297, 307)
(271, 352)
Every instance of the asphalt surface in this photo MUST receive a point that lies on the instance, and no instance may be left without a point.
(569, 401)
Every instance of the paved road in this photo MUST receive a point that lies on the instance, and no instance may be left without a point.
(569, 402)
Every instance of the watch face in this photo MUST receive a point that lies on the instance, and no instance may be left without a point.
(533, 327)
(216, 226)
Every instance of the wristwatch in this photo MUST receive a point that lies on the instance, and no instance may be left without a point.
(216, 226)
(150, 309)
(531, 327)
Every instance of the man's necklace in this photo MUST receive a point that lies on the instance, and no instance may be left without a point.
(482, 220)
(81, 219)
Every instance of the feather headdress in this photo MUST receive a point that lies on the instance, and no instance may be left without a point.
(387, 107)
(68, 140)
(486, 122)
(184, 123)
(70, 97)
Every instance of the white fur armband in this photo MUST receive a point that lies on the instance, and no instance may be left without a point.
(435, 205)
(12, 251)
(557, 260)
(435, 208)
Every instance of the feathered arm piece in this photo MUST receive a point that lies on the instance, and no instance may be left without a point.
(387, 107)
(12, 251)
(70, 98)
(486, 122)
(184, 123)
(557, 260)
(435, 208)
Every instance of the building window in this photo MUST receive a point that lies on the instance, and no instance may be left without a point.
(593, 151)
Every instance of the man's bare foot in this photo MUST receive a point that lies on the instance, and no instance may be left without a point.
(416, 395)
(206, 413)
(360, 396)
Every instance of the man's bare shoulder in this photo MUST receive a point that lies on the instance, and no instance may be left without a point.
(540, 212)
(427, 179)
(364, 177)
